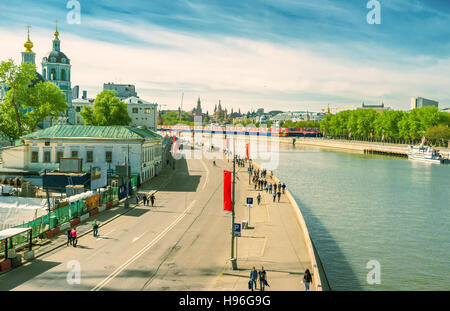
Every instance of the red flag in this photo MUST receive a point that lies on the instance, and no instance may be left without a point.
(247, 150)
(227, 206)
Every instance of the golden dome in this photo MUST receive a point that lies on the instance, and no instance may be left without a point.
(28, 45)
(56, 33)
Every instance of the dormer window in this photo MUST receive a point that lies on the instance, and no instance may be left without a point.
(53, 59)
(63, 60)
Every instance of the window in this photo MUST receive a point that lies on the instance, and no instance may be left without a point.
(47, 143)
(34, 156)
(147, 110)
(78, 109)
(135, 110)
(108, 156)
(44, 73)
(47, 157)
(89, 156)
(53, 74)
(63, 75)
(53, 59)
(74, 154)
(59, 155)
(63, 60)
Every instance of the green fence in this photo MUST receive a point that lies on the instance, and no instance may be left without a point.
(59, 216)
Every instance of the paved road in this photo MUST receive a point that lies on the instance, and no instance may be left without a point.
(180, 244)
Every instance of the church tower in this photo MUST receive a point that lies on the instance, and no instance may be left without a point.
(56, 69)
(28, 56)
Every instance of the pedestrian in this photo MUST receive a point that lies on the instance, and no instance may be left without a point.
(144, 199)
(307, 279)
(253, 277)
(275, 186)
(255, 182)
(270, 188)
(274, 194)
(152, 199)
(74, 237)
(137, 199)
(262, 279)
(95, 227)
(284, 187)
(69, 236)
(279, 195)
(258, 198)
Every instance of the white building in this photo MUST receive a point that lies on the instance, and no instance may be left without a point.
(298, 116)
(141, 112)
(78, 105)
(98, 146)
(123, 90)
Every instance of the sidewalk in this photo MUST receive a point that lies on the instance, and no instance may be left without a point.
(274, 240)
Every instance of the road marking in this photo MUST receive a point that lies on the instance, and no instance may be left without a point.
(207, 174)
(143, 250)
(138, 237)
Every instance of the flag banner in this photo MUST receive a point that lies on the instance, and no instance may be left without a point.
(247, 150)
(227, 206)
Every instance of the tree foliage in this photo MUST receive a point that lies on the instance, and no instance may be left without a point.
(108, 110)
(394, 124)
(26, 104)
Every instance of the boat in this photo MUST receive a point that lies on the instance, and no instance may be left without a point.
(425, 154)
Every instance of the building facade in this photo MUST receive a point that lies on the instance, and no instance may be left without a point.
(123, 90)
(97, 146)
(420, 102)
(142, 113)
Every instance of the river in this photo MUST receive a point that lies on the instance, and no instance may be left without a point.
(360, 208)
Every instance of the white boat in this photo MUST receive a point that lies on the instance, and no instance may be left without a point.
(425, 154)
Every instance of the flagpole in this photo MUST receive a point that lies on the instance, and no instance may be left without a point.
(233, 259)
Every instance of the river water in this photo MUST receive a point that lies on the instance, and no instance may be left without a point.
(360, 208)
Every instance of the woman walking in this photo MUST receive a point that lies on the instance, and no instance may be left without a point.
(307, 279)
(74, 237)
(69, 236)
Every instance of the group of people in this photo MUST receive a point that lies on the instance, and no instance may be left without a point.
(146, 200)
(72, 237)
(240, 161)
(262, 276)
(273, 188)
(254, 275)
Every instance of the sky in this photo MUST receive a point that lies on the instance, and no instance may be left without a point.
(273, 54)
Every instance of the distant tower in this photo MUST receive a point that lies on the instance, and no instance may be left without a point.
(198, 110)
(28, 56)
(56, 69)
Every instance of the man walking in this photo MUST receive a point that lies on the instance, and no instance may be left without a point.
(274, 194)
(284, 187)
(262, 278)
(152, 199)
(279, 195)
(137, 199)
(258, 198)
(69, 236)
(144, 199)
(253, 277)
(95, 227)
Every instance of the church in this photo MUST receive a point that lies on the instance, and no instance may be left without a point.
(56, 69)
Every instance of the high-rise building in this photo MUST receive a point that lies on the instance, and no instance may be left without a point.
(420, 102)
(76, 92)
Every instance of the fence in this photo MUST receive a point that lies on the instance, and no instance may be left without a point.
(66, 212)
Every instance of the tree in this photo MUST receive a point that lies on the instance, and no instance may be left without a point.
(439, 132)
(27, 102)
(108, 110)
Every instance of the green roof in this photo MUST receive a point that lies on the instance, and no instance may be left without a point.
(91, 131)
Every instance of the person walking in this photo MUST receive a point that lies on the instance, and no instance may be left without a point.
(307, 279)
(137, 199)
(69, 236)
(270, 188)
(262, 278)
(258, 198)
(279, 195)
(284, 187)
(152, 199)
(95, 227)
(144, 199)
(253, 277)
(275, 187)
(74, 237)
(274, 194)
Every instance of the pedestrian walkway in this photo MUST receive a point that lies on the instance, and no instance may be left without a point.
(274, 240)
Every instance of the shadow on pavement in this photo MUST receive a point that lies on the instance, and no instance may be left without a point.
(23, 274)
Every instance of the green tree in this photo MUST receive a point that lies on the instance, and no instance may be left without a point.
(108, 110)
(439, 132)
(26, 104)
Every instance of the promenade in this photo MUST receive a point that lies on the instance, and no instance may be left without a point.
(182, 243)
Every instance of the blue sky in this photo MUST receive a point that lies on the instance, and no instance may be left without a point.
(275, 54)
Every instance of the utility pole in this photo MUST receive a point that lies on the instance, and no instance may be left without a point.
(233, 259)
(127, 203)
